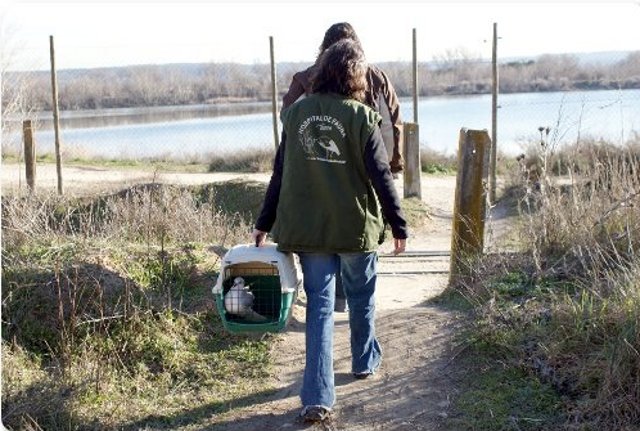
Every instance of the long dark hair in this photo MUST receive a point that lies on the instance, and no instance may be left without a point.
(341, 69)
(338, 31)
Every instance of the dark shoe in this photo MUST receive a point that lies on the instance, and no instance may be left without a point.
(315, 414)
(341, 305)
(362, 376)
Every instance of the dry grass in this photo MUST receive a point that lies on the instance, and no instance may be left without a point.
(250, 160)
(108, 319)
(566, 306)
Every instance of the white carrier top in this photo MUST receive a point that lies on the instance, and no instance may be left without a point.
(287, 264)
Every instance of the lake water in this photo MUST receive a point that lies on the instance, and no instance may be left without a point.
(200, 130)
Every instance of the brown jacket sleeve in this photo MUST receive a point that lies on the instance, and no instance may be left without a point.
(300, 85)
(382, 97)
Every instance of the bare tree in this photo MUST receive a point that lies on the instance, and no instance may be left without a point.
(14, 90)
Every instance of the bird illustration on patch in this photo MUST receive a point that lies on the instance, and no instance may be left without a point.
(329, 145)
(320, 137)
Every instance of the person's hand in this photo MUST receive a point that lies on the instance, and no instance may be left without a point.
(259, 237)
(399, 245)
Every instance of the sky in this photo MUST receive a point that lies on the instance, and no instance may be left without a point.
(98, 34)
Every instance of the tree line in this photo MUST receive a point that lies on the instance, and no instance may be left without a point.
(453, 73)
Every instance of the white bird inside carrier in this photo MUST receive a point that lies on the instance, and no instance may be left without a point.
(257, 284)
(239, 301)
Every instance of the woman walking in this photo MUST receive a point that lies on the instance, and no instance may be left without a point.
(330, 187)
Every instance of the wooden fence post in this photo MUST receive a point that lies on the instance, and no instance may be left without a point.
(494, 115)
(470, 205)
(415, 77)
(412, 168)
(274, 94)
(29, 154)
(56, 116)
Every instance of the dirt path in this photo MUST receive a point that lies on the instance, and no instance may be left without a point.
(416, 382)
(413, 389)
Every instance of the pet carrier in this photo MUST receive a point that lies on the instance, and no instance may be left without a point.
(256, 288)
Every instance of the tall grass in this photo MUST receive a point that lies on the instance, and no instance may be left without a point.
(108, 319)
(250, 160)
(566, 307)
(434, 162)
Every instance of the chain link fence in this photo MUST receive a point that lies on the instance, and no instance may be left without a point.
(220, 114)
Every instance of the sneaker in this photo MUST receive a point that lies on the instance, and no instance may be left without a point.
(362, 376)
(315, 414)
(341, 305)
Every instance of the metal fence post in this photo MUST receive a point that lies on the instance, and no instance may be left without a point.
(470, 205)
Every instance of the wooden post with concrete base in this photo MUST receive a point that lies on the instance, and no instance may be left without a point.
(411, 147)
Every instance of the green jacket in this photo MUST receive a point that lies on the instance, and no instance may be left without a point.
(327, 202)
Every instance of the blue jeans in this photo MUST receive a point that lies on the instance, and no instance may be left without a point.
(358, 272)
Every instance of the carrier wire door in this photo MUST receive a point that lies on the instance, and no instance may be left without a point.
(256, 288)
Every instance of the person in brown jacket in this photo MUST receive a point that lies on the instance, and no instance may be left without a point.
(380, 95)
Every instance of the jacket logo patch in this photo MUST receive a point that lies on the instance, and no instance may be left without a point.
(321, 137)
